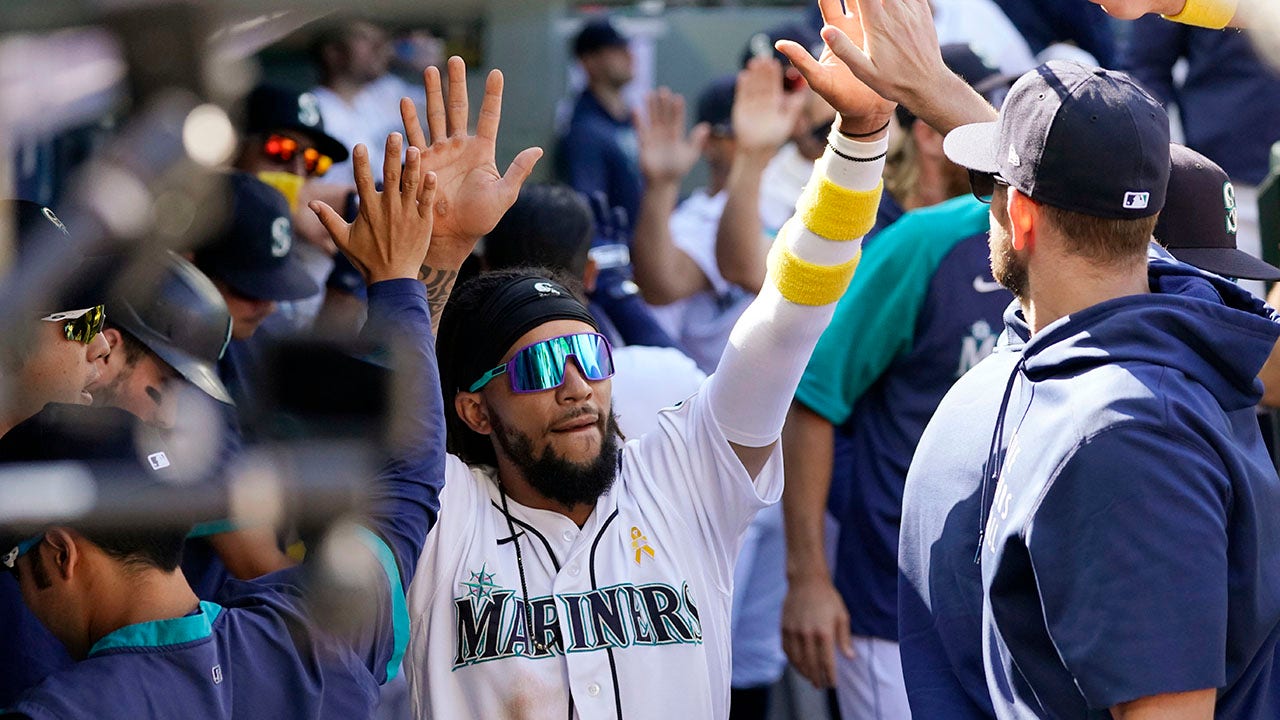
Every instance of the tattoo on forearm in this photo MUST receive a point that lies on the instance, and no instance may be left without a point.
(439, 284)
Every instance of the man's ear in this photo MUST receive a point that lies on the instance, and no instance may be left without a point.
(473, 411)
(1024, 217)
(112, 337)
(65, 553)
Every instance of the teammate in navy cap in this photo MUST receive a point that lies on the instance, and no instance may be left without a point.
(1126, 496)
(125, 612)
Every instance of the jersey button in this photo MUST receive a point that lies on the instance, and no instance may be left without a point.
(593, 689)
(575, 569)
(568, 535)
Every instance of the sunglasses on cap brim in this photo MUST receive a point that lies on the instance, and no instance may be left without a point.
(80, 326)
(983, 184)
(541, 366)
(283, 149)
(10, 559)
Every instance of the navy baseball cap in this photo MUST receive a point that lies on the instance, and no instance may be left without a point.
(1082, 139)
(597, 35)
(715, 104)
(253, 252)
(270, 108)
(1198, 224)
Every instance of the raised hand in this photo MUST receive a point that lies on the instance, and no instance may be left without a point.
(861, 108)
(764, 114)
(472, 195)
(392, 232)
(1134, 9)
(666, 153)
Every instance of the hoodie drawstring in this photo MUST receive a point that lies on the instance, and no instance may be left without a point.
(995, 459)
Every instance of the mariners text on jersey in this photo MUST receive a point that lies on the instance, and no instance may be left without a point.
(490, 620)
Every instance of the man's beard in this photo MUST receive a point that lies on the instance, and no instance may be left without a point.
(1006, 267)
(557, 478)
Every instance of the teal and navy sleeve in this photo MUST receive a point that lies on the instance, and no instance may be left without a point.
(875, 319)
(406, 496)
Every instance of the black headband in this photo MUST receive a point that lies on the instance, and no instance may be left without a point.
(512, 310)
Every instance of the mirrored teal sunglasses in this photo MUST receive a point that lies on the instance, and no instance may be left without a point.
(540, 366)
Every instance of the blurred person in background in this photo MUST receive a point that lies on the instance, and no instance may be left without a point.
(357, 96)
(58, 363)
(921, 311)
(167, 333)
(550, 227)
(1226, 102)
(597, 155)
(285, 145)
(598, 152)
(1043, 25)
(253, 264)
(124, 611)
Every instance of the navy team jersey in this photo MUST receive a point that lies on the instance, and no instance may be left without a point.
(254, 652)
(921, 310)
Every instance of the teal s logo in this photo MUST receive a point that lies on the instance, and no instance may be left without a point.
(1229, 204)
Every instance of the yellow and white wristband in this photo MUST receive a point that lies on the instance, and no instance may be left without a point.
(1212, 14)
(815, 255)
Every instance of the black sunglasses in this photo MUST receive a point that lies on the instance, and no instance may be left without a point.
(984, 184)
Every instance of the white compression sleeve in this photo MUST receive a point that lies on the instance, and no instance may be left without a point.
(772, 341)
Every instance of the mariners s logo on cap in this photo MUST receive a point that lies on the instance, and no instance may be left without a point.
(281, 237)
(1229, 203)
(308, 110)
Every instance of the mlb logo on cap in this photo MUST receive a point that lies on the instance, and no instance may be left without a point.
(1137, 200)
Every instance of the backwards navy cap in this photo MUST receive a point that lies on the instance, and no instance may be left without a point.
(1082, 139)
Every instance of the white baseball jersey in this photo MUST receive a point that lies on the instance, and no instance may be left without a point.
(630, 613)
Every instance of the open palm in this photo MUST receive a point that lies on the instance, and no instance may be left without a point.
(828, 75)
(666, 153)
(764, 114)
(471, 194)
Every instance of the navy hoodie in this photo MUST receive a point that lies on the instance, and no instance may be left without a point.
(1113, 622)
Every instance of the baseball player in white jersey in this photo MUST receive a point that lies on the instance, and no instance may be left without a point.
(571, 575)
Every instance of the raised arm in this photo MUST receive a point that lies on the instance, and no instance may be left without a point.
(811, 263)
(386, 243)
(471, 195)
(664, 272)
(900, 59)
(1214, 14)
(763, 116)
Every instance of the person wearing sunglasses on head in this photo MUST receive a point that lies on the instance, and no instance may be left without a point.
(287, 145)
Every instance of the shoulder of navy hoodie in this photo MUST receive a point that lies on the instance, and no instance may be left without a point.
(1171, 277)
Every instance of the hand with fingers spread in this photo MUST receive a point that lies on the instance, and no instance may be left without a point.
(471, 194)
(862, 110)
(666, 153)
(392, 232)
(764, 114)
(892, 48)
